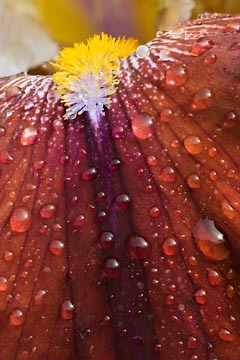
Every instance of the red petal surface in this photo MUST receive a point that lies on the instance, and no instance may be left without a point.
(126, 248)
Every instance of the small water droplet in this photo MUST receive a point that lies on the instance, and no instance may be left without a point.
(118, 132)
(193, 144)
(47, 211)
(139, 247)
(89, 174)
(166, 115)
(111, 268)
(214, 277)
(67, 309)
(192, 342)
(200, 296)
(122, 202)
(203, 99)
(28, 136)
(101, 216)
(201, 45)
(5, 157)
(79, 220)
(213, 175)
(142, 51)
(210, 241)
(106, 240)
(56, 247)
(235, 45)
(39, 297)
(170, 246)
(194, 181)
(168, 174)
(3, 283)
(16, 317)
(228, 210)
(176, 76)
(210, 59)
(151, 160)
(20, 220)
(226, 335)
(142, 126)
(115, 164)
(154, 212)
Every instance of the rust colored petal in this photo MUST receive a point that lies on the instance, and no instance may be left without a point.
(128, 247)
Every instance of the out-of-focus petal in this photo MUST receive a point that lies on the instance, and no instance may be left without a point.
(24, 43)
(126, 248)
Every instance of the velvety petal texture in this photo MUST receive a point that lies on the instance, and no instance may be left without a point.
(123, 243)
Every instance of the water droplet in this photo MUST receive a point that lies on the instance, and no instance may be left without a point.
(176, 76)
(28, 136)
(122, 201)
(169, 300)
(79, 220)
(192, 342)
(111, 268)
(114, 164)
(101, 215)
(193, 144)
(210, 59)
(200, 296)
(235, 45)
(201, 45)
(166, 115)
(154, 212)
(106, 240)
(142, 126)
(13, 91)
(210, 241)
(8, 255)
(214, 277)
(194, 181)
(3, 283)
(118, 132)
(39, 297)
(56, 247)
(67, 309)
(230, 291)
(20, 220)
(16, 317)
(5, 157)
(231, 120)
(47, 211)
(139, 247)
(226, 335)
(213, 175)
(203, 99)
(2, 131)
(89, 174)
(142, 51)
(151, 160)
(228, 210)
(168, 174)
(165, 55)
(170, 246)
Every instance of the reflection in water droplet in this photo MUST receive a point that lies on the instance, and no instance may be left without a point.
(201, 45)
(193, 144)
(20, 220)
(226, 335)
(194, 181)
(210, 241)
(203, 99)
(170, 246)
(106, 240)
(176, 76)
(28, 136)
(16, 317)
(142, 126)
(111, 268)
(67, 309)
(139, 247)
(47, 211)
(200, 296)
(56, 247)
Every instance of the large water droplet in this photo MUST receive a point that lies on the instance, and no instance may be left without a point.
(20, 220)
(201, 45)
(111, 268)
(122, 201)
(168, 174)
(170, 246)
(193, 181)
(176, 76)
(106, 240)
(47, 211)
(56, 247)
(139, 247)
(210, 241)
(67, 309)
(142, 126)
(193, 144)
(200, 296)
(16, 317)
(203, 99)
(28, 136)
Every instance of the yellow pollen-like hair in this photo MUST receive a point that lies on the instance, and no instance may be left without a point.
(86, 74)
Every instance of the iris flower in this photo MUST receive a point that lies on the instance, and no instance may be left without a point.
(120, 238)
